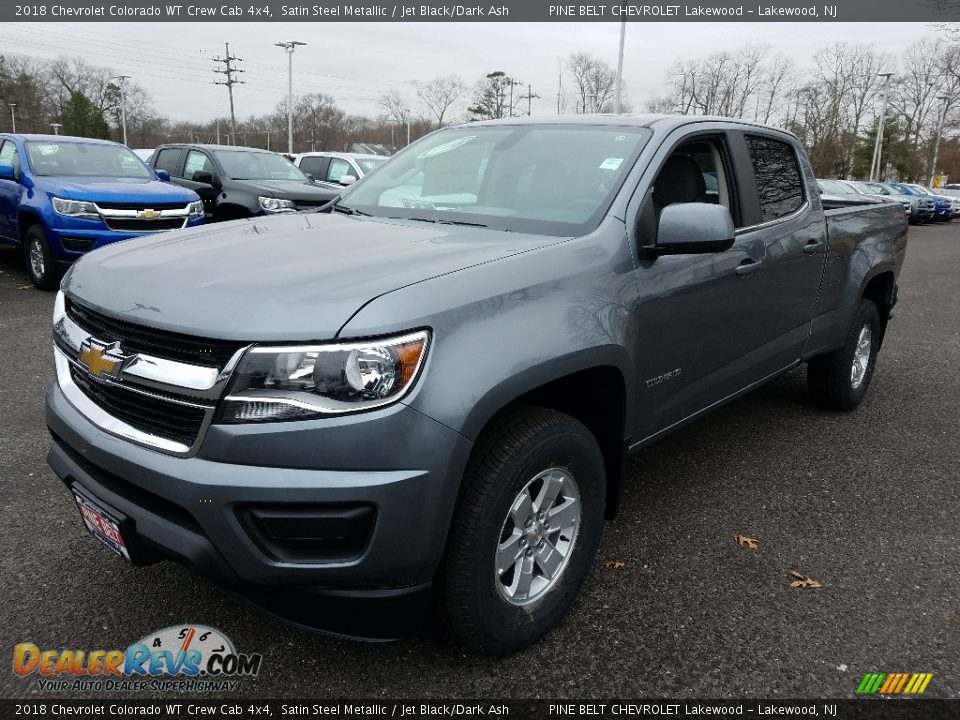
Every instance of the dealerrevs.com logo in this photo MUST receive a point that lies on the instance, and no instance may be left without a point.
(181, 658)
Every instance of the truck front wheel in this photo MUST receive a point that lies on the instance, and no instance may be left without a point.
(525, 532)
(41, 267)
(839, 380)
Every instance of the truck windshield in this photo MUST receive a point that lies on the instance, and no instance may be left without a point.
(74, 159)
(252, 165)
(545, 179)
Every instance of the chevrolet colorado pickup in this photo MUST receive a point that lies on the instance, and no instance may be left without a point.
(238, 182)
(62, 196)
(428, 392)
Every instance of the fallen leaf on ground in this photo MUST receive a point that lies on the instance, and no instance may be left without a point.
(614, 564)
(747, 541)
(802, 581)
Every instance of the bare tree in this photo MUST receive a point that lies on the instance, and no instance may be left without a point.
(394, 106)
(594, 82)
(440, 94)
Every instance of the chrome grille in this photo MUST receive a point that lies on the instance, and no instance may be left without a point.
(157, 388)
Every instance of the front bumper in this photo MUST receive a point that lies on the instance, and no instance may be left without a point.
(198, 510)
(70, 239)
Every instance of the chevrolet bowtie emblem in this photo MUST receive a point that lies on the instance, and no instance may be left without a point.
(103, 359)
(148, 214)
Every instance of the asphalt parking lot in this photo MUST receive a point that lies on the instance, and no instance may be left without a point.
(867, 503)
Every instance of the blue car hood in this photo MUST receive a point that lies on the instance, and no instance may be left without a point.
(107, 189)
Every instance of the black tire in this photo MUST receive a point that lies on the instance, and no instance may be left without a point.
(44, 272)
(830, 377)
(517, 446)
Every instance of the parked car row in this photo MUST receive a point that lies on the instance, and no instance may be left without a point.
(923, 205)
(61, 196)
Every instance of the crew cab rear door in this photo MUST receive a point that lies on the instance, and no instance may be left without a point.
(795, 244)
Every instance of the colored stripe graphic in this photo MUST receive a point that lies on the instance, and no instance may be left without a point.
(894, 683)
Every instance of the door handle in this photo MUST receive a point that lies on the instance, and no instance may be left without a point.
(812, 246)
(748, 267)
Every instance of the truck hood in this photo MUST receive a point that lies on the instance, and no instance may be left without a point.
(105, 189)
(286, 278)
(289, 189)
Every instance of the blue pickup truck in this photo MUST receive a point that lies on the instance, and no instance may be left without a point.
(61, 197)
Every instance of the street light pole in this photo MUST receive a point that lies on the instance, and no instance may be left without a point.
(13, 116)
(289, 47)
(56, 128)
(618, 102)
(123, 105)
(936, 142)
(878, 143)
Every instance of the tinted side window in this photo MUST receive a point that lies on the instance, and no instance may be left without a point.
(315, 166)
(778, 176)
(167, 160)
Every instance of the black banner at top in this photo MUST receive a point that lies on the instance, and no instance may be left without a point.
(930, 11)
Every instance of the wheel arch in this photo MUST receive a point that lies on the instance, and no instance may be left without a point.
(596, 394)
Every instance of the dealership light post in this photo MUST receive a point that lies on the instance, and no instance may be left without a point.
(936, 142)
(878, 144)
(618, 102)
(121, 79)
(56, 127)
(13, 116)
(289, 47)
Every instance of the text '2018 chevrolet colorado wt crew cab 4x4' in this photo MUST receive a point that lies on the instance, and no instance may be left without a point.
(429, 392)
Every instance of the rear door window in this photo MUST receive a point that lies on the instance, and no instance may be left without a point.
(315, 166)
(777, 173)
(338, 168)
(167, 159)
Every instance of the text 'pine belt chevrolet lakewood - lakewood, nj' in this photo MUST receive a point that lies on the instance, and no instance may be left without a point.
(428, 390)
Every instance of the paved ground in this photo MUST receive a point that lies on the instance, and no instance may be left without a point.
(868, 503)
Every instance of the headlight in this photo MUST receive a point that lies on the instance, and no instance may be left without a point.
(272, 205)
(300, 382)
(195, 209)
(75, 208)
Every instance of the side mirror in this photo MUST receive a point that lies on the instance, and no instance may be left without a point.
(310, 177)
(7, 172)
(687, 228)
(347, 180)
(163, 175)
(208, 178)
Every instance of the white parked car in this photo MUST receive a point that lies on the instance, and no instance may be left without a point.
(335, 169)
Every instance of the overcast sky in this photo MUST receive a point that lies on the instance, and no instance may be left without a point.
(358, 62)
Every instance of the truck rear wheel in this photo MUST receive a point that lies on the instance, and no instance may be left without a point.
(839, 380)
(41, 267)
(525, 532)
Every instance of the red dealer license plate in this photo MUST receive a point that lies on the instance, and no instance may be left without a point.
(102, 525)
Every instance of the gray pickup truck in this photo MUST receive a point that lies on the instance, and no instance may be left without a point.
(422, 397)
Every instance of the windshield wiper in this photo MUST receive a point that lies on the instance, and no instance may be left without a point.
(440, 221)
(337, 207)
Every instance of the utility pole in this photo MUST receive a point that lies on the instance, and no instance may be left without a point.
(56, 128)
(936, 142)
(218, 132)
(618, 101)
(123, 104)
(559, 83)
(408, 131)
(512, 82)
(878, 144)
(529, 97)
(289, 47)
(13, 116)
(229, 71)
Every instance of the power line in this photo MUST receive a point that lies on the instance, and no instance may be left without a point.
(229, 71)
